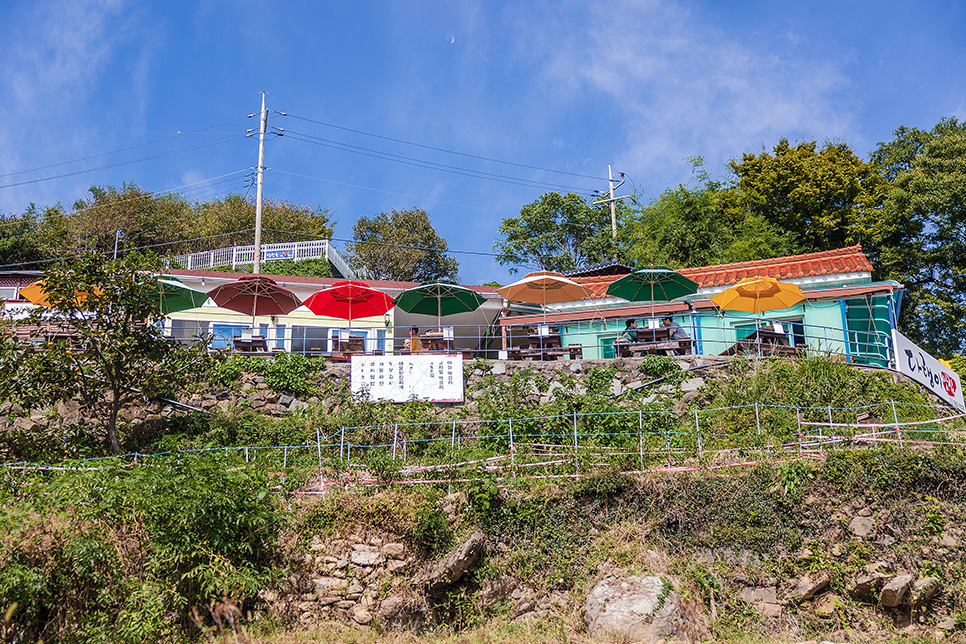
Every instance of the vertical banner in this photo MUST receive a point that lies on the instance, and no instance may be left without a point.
(915, 363)
(434, 378)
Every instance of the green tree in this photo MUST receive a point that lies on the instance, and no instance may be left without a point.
(823, 196)
(231, 221)
(701, 225)
(118, 353)
(401, 245)
(20, 239)
(560, 233)
(922, 231)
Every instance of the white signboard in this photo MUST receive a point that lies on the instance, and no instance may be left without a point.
(436, 378)
(923, 368)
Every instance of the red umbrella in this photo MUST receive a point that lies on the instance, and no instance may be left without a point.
(348, 300)
(255, 295)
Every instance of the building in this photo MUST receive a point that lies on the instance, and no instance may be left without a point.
(845, 313)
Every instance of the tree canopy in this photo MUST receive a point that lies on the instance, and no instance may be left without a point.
(118, 353)
(559, 233)
(401, 245)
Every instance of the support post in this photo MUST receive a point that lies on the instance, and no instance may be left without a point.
(895, 419)
(256, 269)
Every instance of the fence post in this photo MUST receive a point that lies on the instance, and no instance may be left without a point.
(513, 460)
(697, 430)
(895, 418)
(831, 431)
(761, 449)
(452, 448)
(640, 435)
(318, 447)
(285, 452)
(342, 444)
(246, 454)
(798, 420)
(395, 437)
(576, 454)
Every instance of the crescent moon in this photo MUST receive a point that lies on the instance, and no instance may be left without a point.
(452, 40)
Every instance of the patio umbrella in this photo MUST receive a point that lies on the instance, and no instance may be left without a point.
(255, 295)
(543, 287)
(173, 296)
(34, 293)
(654, 284)
(757, 294)
(439, 299)
(347, 300)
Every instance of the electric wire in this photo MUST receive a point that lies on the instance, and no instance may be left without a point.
(395, 194)
(197, 146)
(118, 151)
(466, 172)
(436, 149)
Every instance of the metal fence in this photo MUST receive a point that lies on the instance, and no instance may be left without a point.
(577, 444)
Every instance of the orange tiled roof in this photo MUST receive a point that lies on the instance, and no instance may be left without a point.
(850, 259)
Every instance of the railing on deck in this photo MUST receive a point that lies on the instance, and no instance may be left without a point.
(240, 255)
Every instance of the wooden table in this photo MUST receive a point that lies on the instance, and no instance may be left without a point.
(352, 344)
(434, 341)
(653, 342)
(762, 342)
(254, 344)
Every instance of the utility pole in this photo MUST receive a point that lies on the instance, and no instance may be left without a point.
(612, 200)
(258, 193)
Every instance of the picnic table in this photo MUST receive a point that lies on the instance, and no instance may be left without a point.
(546, 347)
(352, 344)
(250, 345)
(762, 342)
(653, 342)
(436, 341)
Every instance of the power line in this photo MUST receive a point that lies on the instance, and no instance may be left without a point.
(189, 148)
(479, 174)
(132, 147)
(430, 147)
(395, 194)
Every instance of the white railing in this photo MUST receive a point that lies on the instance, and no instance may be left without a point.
(313, 249)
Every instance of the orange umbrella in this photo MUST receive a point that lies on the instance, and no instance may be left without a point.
(36, 294)
(543, 287)
(757, 294)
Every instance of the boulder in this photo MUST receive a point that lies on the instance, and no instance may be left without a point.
(922, 591)
(862, 526)
(454, 566)
(367, 558)
(808, 586)
(641, 609)
(895, 591)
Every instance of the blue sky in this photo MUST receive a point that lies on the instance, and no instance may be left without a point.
(92, 87)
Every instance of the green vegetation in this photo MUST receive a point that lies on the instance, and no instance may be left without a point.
(107, 555)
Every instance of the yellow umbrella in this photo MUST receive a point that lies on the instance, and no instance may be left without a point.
(35, 294)
(757, 294)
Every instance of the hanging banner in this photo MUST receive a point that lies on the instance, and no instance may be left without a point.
(915, 363)
(435, 378)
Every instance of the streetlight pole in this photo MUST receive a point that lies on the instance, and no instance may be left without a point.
(117, 238)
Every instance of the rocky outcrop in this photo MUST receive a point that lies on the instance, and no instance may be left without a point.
(641, 609)
(451, 569)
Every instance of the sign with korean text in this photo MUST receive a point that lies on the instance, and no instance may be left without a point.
(915, 363)
(434, 378)
(279, 254)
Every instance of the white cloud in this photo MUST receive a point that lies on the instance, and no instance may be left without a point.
(686, 87)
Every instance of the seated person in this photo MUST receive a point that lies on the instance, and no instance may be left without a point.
(629, 334)
(413, 343)
(675, 332)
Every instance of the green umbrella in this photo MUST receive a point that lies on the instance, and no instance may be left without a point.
(652, 284)
(439, 299)
(172, 296)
